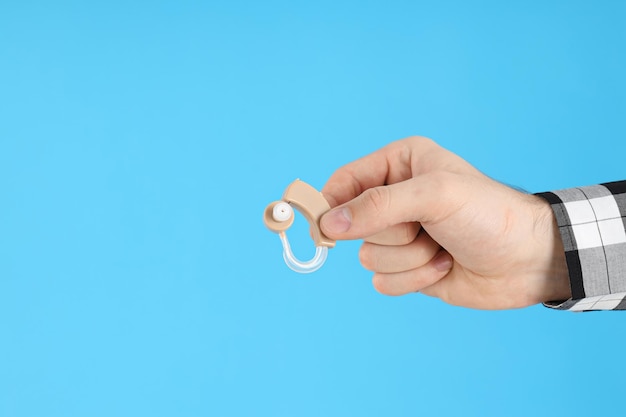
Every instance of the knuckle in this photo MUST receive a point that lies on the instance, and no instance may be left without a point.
(422, 146)
(366, 257)
(381, 284)
(419, 142)
(411, 231)
(378, 199)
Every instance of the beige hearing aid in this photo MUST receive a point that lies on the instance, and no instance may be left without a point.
(279, 216)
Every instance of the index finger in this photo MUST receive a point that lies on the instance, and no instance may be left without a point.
(388, 165)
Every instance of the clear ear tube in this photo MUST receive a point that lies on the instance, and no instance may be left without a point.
(303, 267)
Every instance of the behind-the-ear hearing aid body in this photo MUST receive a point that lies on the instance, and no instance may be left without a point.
(279, 216)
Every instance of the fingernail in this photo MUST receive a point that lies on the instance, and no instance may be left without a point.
(443, 261)
(337, 220)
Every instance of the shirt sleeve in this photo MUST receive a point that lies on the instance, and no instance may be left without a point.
(592, 223)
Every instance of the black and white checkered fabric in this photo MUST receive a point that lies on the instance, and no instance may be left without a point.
(592, 222)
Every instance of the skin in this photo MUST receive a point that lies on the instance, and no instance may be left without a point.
(431, 222)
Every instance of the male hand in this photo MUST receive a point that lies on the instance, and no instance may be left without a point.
(433, 223)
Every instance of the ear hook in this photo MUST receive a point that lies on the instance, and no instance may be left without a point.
(279, 216)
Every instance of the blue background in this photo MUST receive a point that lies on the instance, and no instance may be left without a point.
(141, 141)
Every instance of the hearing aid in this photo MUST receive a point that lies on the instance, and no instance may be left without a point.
(279, 216)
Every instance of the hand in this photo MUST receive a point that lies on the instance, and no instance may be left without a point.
(433, 223)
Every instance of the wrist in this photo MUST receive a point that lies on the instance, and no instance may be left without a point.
(553, 283)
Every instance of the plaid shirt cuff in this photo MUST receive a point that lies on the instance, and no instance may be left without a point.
(592, 222)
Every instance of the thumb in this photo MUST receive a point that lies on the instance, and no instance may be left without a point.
(420, 199)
